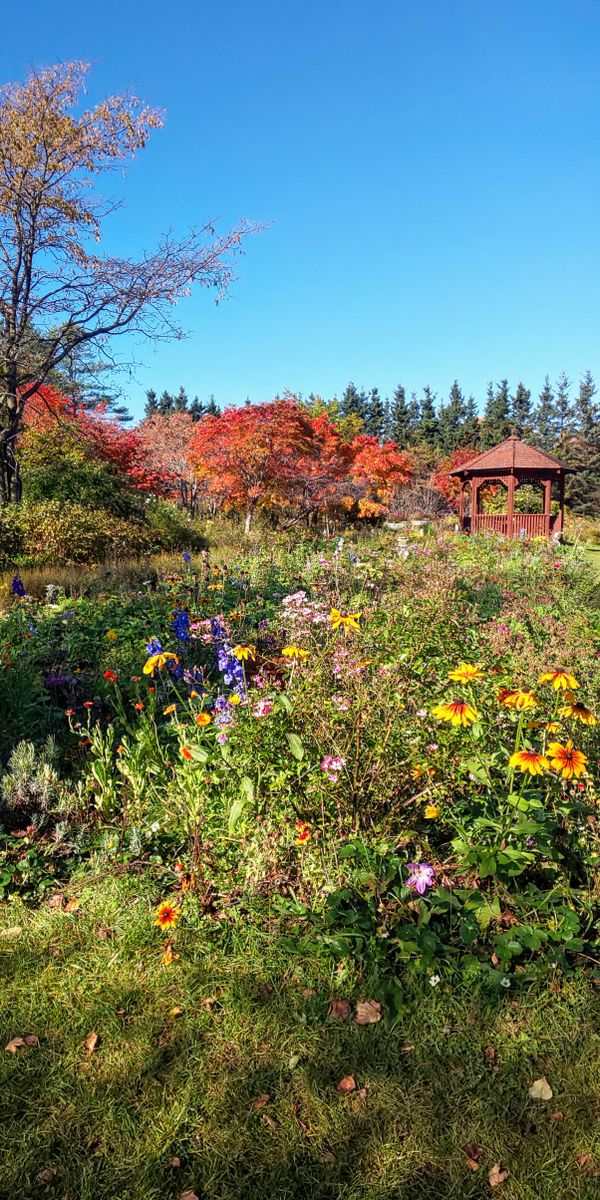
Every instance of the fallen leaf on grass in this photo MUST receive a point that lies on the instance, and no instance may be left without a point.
(497, 1175)
(46, 1175)
(174, 1162)
(260, 1101)
(471, 1164)
(56, 900)
(490, 1054)
(296, 1112)
(209, 1003)
(540, 1089)
(13, 931)
(472, 1150)
(189, 1195)
(582, 1160)
(557, 1115)
(346, 1085)
(72, 905)
(408, 1048)
(268, 1120)
(367, 1012)
(91, 1041)
(361, 1094)
(339, 1010)
(19, 1043)
(176, 1011)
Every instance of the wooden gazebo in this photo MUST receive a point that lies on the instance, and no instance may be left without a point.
(512, 463)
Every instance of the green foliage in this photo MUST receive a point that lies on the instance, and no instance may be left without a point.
(57, 464)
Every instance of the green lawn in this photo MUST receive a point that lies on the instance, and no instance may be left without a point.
(164, 1088)
(593, 557)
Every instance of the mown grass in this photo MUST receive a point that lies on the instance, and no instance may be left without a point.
(162, 1087)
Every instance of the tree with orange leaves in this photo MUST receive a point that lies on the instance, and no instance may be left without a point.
(380, 470)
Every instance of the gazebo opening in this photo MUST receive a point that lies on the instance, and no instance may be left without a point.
(526, 475)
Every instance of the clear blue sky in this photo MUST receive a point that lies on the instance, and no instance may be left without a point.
(431, 170)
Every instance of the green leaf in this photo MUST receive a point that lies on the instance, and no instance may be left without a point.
(247, 787)
(295, 745)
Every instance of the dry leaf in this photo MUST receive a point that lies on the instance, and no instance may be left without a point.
(497, 1175)
(362, 1094)
(174, 1161)
(296, 1112)
(189, 1195)
(471, 1164)
(582, 1160)
(72, 905)
(56, 900)
(557, 1115)
(408, 1048)
(260, 1101)
(472, 1150)
(367, 1012)
(91, 1041)
(490, 1054)
(346, 1085)
(20, 1043)
(209, 1003)
(31, 1039)
(540, 1089)
(13, 931)
(339, 1010)
(176, 1011)
(46, 1175)
(270, 1121)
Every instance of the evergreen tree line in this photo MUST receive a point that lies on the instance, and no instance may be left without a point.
(172, 402)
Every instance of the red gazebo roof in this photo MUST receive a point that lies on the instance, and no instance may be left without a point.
(511, 455)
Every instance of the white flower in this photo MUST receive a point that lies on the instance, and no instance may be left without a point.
(505, 982)
(434, 980)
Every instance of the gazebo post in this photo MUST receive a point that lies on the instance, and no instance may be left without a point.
(474, 504)
(461, 504)
(547, 505)
(510, 508)
(561, 500)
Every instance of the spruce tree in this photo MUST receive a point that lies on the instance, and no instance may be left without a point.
(520, 411)
(496, 424)
(402, 420)
(353, 403)
(563, 408)
(165, 404)
(151, 407)
(452, 419)
(212, 408)
(428, 431)
(582, 450)
(375, 415)
(180, 401)
(471, 429)
(544, 421)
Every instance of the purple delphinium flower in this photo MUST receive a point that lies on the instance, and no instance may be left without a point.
(421, 877)
(17, 586)
(154, 646)
(186, 556)
(180, 625)
(229, 665)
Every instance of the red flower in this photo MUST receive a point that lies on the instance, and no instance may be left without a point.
(186, 753)
(138, 706)
(112, 675)
(88, 704)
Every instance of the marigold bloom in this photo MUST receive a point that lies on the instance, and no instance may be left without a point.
(294, 652)
(577, 711)
(303, 833)
(345, 621)
(515, 698)
(139, 707)
(156, 662)
(432, 811)
(465, 672)
(112, 635)
(245, 652)
(112, 675)
(186, 752)
(529, 761)
(167, 915)
(203, 718)
(566, 760)
(456, 712)
(171, 708)
(560, 680)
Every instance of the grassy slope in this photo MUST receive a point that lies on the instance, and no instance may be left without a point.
(161, 1085)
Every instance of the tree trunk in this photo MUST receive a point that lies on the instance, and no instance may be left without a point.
(249, 514)
(10, 476)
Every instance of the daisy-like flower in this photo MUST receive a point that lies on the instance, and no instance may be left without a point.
(294, 652)
(432, 811)
(456, 712)
(303, 833)
(560, 680)
(156, 662)
(167, 915)
(529, 761)
(345, 621)
(88, 704)
(245, 652)
(465, 672)
(203, 718)
(566, 760)
(515, 698)
(112, 675)
(577, 711)
(421, 769)
(112, 635)
(421, 877)
(139, 707)
(171, 708)
(187, 754)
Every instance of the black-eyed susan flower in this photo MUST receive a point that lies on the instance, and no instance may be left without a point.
(432, 811)
(566, 760)
(345, 621)
(294, 652)
(456, 712)
(303, 833)
(515, 698)
(529, 762)
(167, 915)
(465, 672)
(560, 680)
(577, 711)
(245, 652)
(156, 662)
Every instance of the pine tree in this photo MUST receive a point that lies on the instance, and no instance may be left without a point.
(452, 419)
(581, 449)
(401, 419)
(545, 422)
(375, 416)
(196, 409)
(212, 408)
(353, 403)
(520, 411)
(165, 404)
(496, 424)
(151, 407)
(471, 429)
(563, 407)
(180, 401)
(428, 430)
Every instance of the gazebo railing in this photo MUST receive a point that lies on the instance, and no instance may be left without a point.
(527, 525)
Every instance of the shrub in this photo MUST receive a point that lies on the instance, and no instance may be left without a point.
(55, 531)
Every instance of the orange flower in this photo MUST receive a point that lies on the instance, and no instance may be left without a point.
(167, 915)
(421, 769)
(112, 675)
(566, 760)
(528, 760)
(171, 708)
(457, 712)
(560, 680)
(465, 672)
(577, 711)
(138, 706)
(187, 754)
(303, 833)
(515, 698)
(203, 718)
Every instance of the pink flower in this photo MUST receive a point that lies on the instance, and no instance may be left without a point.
(421, 877)
(341, 702)
(262, 708)
(332, 765)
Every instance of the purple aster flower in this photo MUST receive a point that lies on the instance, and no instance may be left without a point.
(17, 586)
(421, 877)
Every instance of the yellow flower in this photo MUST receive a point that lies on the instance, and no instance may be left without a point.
(194, 695)
(465, 672)
(560, 680)
(171, 708)
(345, 621)
(515, 698)
(156, 662)
(577, 711)
(456, 712)
(421, 769)
(112, 635)
(203, 718)
(432, 811)
(566, 760)
(294, 652)
(528, 760)
(167, 915)
(244, 652)
(169, 954)
(235, 699)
